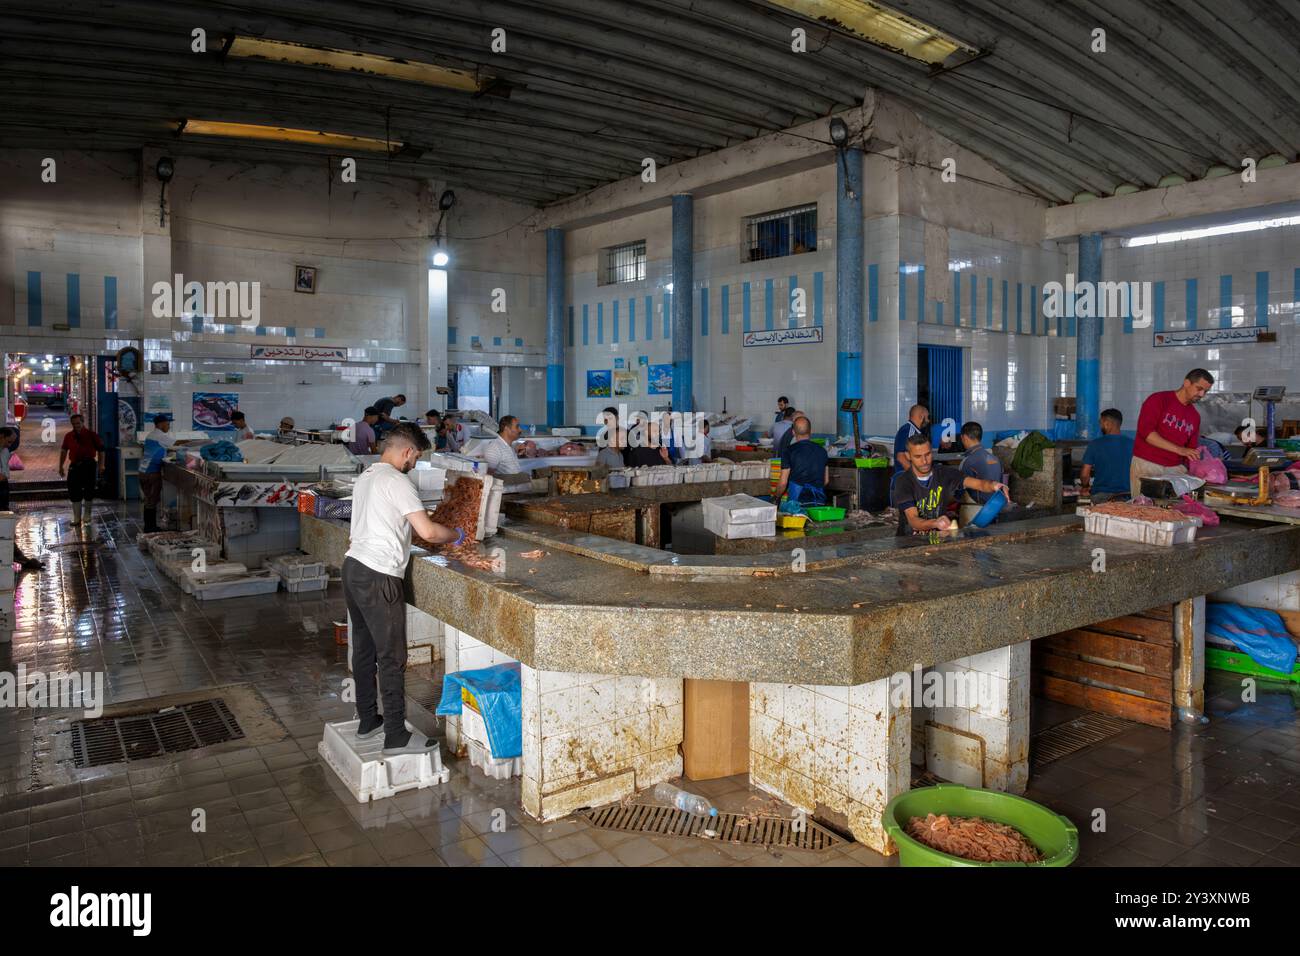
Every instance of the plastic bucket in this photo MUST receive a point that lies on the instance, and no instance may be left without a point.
(1056, 838)
(992, 508)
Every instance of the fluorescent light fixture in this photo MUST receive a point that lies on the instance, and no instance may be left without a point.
(441, 258)
(285, 134)
(350, 61)
(882, 26)
(1252, 225)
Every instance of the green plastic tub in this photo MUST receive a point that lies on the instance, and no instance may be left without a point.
(871, 462)
(1238, 663)
(1056, 838)
(824, 513)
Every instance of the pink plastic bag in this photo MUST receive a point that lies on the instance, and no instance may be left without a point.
(1193, 508)
(1208, 467)
(15, 463)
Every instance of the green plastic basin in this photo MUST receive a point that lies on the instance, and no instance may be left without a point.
(1056, 838)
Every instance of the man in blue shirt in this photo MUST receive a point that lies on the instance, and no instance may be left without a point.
(1106, 461)
(979, 461)
(156, 445)
(917, 419)
(804, 470)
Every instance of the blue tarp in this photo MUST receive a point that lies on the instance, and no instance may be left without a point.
(221, 451)
(1256, 632)
(496, 689)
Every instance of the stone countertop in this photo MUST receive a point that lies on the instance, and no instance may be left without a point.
(857, 612)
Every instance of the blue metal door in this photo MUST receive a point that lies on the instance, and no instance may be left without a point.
(944, 373)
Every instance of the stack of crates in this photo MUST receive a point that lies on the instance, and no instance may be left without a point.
(473, 735)
(300, 572)
(8, 523)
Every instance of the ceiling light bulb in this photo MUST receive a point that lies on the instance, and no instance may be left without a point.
(441, 258)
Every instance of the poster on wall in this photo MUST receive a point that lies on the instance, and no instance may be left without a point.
(627, 383)
(660, 378)
(643, 360)
(598, 384)
(128, 419)
(218, 378)
(211, 410)
(160, 402)
(618, 363)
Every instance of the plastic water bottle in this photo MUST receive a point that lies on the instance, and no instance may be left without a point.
(690, 802)
(532, 431)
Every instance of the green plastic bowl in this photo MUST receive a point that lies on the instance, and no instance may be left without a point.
(1056, 838)
(825, 513)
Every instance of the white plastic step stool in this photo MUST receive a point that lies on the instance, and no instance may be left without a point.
(364, 769)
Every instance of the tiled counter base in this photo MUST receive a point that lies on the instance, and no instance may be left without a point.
(837, 752)
(588, 739)
(591, 739)
(975, 729)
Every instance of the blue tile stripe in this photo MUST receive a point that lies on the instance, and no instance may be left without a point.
(744, 306)
(920, 293)
(631, 319)
(1193, 307)
(33, 299)
(956, 300)
(668, 315)
(873, 292)
(74, 300)
(586, 326)
(600, 323)
(819, 315)
(726, 310)
(704, 312)
(614, 308)
(110, 302)
(1004, 305)
(570, 327)
(1035, 307)
(988, 302)
(451, 333)
(649, 318)
(1020, 308)
(1158, 306)
(1261, 298)
(1225, 302)
(938, 312)
(974, 303)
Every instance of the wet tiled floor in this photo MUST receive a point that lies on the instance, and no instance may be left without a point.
(1226, 793)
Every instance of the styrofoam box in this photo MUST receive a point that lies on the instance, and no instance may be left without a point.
(6, 549)
(474, 731)
(756, 529)
(6, 578)
(215, 572)
(738, 509)
(8, 522)
(1163, 533)
(367, 773)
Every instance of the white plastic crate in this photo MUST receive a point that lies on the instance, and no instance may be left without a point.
(6, 546)
(1162, 533)
(8, 523)
(367, 773)
(755, 529)
(213, 573)
(474, 731)
(295, 566)
(721, 514)
(255, 582)
(7, 579)
(306, 584)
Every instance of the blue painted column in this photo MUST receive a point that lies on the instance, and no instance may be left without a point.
(848, 284)
(554, 327)
(1088, 342)
(683, 299)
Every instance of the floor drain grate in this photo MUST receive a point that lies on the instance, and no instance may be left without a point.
(107, 740)
(1073, 735)
(743, 828)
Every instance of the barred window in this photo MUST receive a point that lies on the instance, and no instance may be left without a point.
(786, 232)
(625, 263)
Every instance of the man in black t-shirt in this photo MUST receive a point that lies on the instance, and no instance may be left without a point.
(803, 466)
(925, 491)
(384, 408)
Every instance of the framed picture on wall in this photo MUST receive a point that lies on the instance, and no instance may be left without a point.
(598, 383)
(304, 279)
(660, 379)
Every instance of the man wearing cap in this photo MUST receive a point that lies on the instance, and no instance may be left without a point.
(156, 445)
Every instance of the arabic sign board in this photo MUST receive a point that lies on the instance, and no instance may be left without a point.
(1236, 336)
(300, 353)
(810, 335)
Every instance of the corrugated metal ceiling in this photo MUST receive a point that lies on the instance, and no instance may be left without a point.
(595, 85)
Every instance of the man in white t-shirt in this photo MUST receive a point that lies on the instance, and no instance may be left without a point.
(385, 509)
(240, 424)
(500, 453)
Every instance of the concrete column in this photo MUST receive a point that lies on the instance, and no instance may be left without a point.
(554, 327)
(849, 251)
(1088, 351)
(683, 303)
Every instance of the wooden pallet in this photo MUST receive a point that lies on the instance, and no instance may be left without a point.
(1123, 667)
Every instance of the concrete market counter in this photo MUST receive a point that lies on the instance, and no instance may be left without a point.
(607, 630)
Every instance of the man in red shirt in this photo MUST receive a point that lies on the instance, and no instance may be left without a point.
(84, 448)
(1168, 430)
